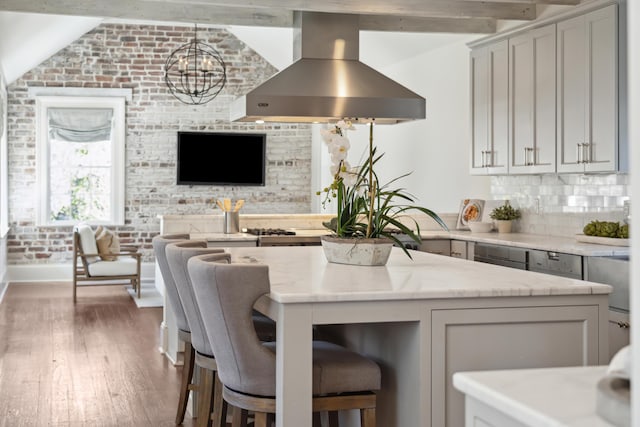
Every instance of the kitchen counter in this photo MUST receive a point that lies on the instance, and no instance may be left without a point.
(423, 320)
(529, 241)
(532, 397)
(565, 245)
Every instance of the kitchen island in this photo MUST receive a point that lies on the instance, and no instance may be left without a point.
(423, 320)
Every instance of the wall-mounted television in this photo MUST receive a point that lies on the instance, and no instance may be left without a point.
(217, 158)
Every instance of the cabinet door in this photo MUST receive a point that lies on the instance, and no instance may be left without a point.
(587, 92)
(618, 331)
(532, 101)
(479, 110)
(505, 338)
(459, 249)
(489, 109)
(602, 152)
(498, 108)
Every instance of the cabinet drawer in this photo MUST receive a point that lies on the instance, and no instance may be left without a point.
(436, 246)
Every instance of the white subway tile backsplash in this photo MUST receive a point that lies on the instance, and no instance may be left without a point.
(561, 205)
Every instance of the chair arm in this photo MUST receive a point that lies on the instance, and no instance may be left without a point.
(129, 254)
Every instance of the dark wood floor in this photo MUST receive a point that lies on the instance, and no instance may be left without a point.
(95, 363)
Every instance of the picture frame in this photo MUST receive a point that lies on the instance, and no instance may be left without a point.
(470, 210)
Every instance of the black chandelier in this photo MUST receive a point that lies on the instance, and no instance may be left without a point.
(195, 72)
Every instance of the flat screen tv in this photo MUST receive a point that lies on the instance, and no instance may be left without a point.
(215, 158)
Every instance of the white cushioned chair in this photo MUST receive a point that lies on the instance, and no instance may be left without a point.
(94, 268)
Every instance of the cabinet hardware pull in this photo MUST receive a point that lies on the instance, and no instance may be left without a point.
(623, 325)
(586, 152)
(579, 160)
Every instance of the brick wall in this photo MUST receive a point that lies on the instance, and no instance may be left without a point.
(133, 56)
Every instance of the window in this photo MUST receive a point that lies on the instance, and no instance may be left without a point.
(80, 159)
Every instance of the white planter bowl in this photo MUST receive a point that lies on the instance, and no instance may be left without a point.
(480, 227)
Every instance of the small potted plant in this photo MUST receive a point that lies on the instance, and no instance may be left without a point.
(504, 215)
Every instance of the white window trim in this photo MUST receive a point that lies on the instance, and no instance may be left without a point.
(43, 103)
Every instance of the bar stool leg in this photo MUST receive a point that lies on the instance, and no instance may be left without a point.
(185, 385)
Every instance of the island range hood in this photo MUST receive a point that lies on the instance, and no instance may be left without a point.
(327, 82)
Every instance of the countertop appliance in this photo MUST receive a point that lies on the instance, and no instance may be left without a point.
(501, 255)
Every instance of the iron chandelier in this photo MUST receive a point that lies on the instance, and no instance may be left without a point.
(195, 72)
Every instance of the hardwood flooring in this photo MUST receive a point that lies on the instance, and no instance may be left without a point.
(95, 363)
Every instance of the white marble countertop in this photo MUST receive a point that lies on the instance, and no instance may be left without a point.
(565, 245)
(302, 274)
(530, 241)
(538, 397)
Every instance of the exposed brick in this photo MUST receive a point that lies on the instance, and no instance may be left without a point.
(134, 56)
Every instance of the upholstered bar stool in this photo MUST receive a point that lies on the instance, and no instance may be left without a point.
(342, 379)
(210, 392)
(184, 333)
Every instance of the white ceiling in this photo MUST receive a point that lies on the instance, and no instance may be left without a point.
(27, 38)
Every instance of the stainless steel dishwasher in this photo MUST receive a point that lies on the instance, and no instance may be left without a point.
(556, 263)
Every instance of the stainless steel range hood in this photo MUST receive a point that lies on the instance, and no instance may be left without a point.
(327, 82)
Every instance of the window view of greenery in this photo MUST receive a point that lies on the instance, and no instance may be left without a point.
(79, 180)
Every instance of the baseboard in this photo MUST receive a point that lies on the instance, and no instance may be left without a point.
(60, 273)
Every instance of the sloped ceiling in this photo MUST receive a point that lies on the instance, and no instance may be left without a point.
(28, 39)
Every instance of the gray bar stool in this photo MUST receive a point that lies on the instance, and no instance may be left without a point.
(210, 391)
(342, 379)
(184, 333)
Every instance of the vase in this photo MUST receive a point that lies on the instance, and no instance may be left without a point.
(504, 226)
(353, 251)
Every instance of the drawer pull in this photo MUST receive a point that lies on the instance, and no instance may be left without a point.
(623, 325)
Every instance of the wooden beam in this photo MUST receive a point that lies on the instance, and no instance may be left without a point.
(269, 12)
(427, 25)
(420, 8)
(152, 11)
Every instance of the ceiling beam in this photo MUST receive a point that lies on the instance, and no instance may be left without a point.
(419, 8)
(427, 25)
(274, 12)
(143, 10)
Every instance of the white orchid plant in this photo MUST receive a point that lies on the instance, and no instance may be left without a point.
(366, 209)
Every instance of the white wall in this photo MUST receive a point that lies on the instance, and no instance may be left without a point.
(38, 37)
(435, 150)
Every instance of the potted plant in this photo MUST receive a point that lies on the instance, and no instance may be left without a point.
(368, 213)
(504, 215)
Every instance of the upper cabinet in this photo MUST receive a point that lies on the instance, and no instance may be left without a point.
(489, 109)
(532, 101)
(588, 92)
(544, 98)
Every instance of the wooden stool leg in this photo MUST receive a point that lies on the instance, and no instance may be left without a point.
(334, 419)
(187, 376)
(317, 421)
(219, 408)
(206, 394)
(260, 419)
(368, 417)
(239, 417)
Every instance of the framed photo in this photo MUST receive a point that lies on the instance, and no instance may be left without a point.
(470, 210)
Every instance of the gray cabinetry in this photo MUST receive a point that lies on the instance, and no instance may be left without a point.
(506, 338)
(619, 334)
(489, 104)
(436, 246)
(460, 249)
(587, 139)
(532, 101)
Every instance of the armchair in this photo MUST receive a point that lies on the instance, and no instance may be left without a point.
(96, 267)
